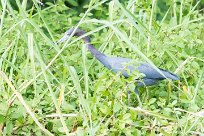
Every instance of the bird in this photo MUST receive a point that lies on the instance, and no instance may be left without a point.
(125, 66)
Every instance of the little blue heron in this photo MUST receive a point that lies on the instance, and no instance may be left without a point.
(119, 64)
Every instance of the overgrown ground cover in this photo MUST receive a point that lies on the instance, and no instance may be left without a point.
(47, 89)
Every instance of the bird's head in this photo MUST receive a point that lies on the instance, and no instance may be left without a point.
(78, 32)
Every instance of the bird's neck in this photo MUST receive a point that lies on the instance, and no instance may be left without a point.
(94, 51)
(98, 55)
(91, 48)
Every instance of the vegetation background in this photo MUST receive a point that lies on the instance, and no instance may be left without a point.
(47, 89)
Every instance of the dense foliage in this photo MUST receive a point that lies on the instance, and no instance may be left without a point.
(48, 89)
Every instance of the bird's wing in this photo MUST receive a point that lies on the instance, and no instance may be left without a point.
(152, 73)
(122, 65)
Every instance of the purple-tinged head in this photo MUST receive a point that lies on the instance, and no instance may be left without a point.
(78, 32)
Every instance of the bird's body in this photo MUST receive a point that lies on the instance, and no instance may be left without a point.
(124, 65)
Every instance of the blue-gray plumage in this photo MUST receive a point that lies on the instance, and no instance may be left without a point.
(123, 65)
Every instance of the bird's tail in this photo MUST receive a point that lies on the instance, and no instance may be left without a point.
(170, 75)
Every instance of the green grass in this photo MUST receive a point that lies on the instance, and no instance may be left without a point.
(47, 89)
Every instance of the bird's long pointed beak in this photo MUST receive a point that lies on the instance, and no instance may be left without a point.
(64, 38)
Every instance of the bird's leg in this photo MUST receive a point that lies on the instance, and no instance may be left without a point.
(128, 92)
(138, 97)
